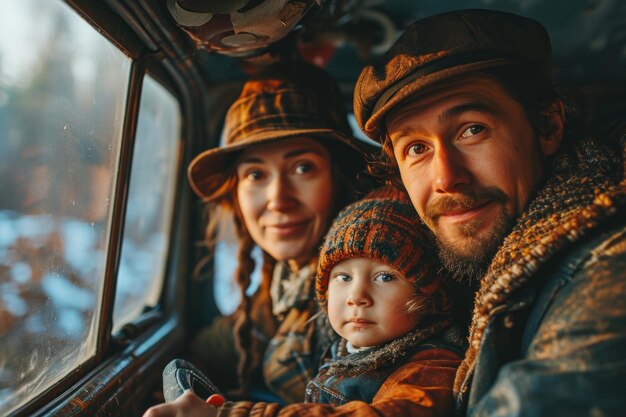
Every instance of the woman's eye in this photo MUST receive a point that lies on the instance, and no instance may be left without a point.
(417, 149)
(303, 168)
(472, 130)
(343, 278)
(384, 277)
(253, 175)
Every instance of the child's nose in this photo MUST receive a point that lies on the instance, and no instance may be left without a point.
(358, 297)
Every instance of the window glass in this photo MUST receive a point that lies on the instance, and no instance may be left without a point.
(358, 133)
(150, 203)
(225, 287)
(63, 92)
(225, 261)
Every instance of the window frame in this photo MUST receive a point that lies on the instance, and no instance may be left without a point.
(142, 347)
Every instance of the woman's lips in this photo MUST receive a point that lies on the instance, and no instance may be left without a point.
(287, 229)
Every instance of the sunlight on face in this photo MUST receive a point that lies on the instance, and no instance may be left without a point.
(367, 302)
(285, 193)
(469, 160)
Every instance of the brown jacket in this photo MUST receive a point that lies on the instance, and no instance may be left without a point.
(422, 387)
(548, 335)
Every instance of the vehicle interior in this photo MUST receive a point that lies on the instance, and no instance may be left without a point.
(104, 277)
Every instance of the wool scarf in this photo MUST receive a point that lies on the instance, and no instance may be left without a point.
(584, 189)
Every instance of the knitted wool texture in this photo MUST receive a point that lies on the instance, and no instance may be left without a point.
(586, 188)
(383, 226)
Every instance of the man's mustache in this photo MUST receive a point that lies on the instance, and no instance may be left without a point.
(466, 199)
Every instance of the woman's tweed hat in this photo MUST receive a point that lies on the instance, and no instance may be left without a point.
(284, 100)
(382, 226)
(440, 47)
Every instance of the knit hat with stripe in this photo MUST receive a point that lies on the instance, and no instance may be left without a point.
(383, 226)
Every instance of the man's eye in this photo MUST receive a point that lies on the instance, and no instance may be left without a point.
(472, 130)
(384, 277)
(417, 149)
(343, 278)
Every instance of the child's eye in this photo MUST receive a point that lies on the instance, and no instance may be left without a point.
(384, 277)
(343, 278)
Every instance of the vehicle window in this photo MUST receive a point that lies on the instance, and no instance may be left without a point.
(358, 133)
(63, 93)
(225, 252)
(150, 202)
(225, 288)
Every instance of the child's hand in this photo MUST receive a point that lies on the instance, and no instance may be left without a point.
(187, 405)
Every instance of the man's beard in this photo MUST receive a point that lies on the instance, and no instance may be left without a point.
(468, 258)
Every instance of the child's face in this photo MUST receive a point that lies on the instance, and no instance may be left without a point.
(367, 302)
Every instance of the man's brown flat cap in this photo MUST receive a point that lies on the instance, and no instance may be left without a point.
(442, 46)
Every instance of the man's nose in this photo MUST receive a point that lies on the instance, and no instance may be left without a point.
(450, 170)
(280, 194)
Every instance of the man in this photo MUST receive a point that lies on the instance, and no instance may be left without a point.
(521, 201)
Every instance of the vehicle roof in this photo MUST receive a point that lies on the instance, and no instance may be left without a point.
(588, 37)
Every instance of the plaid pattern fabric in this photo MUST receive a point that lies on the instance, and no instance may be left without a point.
(294, 351)
(383, 226)
(289, 361)
(284, 101)
(276, 108)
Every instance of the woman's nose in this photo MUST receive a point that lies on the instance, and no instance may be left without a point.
(280, 194)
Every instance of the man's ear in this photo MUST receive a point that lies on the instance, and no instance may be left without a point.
(553, 127)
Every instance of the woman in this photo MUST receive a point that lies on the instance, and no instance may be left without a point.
(289, 164)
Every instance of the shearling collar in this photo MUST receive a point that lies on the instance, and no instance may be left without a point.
(585, 189)
(438, 329)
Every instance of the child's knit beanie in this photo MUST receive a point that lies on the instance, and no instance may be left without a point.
(383, 226)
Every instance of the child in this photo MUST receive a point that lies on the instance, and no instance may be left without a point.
(378, 279)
